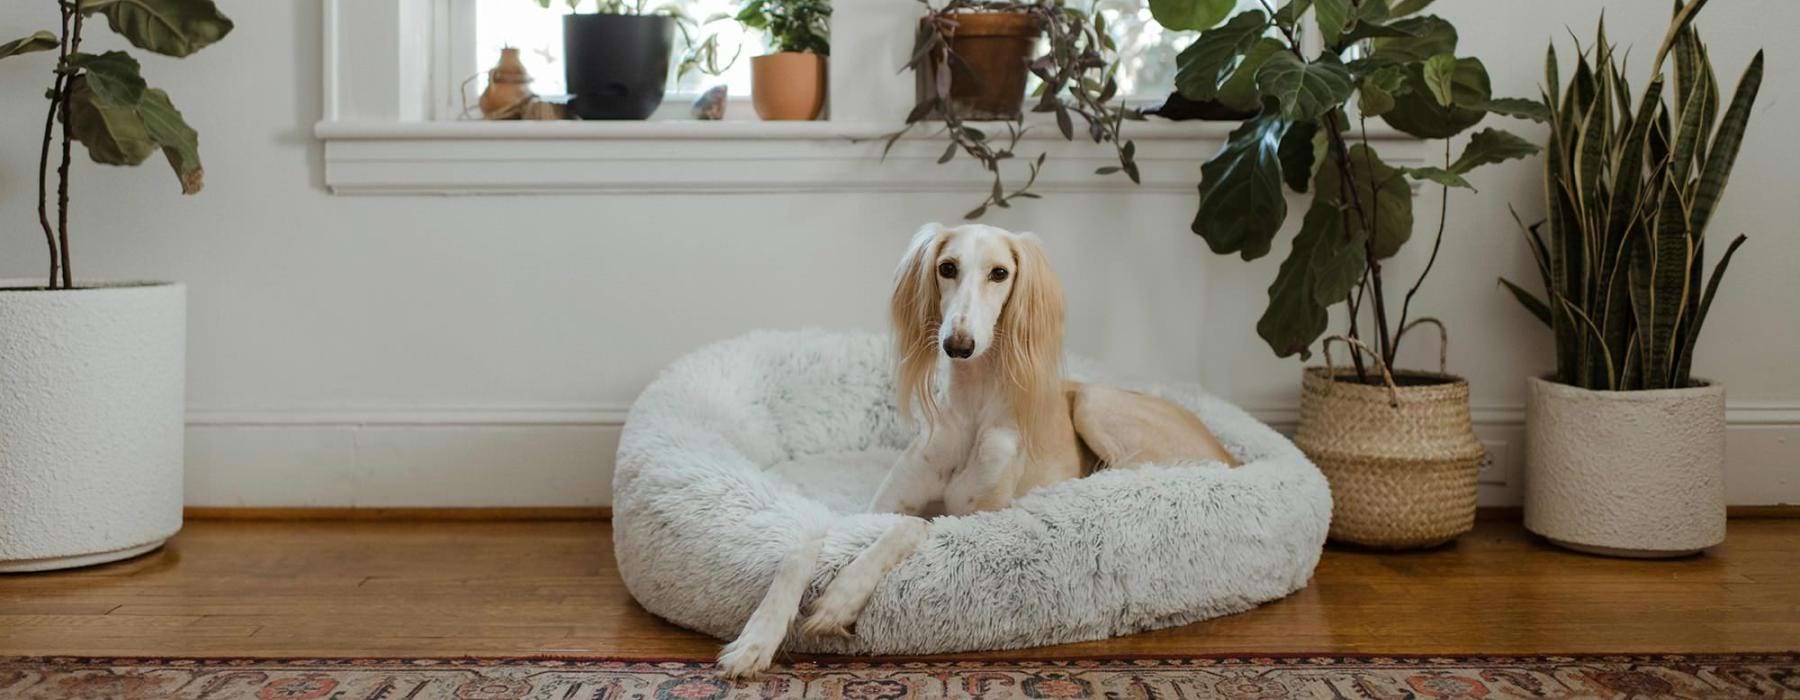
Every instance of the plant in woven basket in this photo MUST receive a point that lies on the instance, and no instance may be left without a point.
(1630, 193)
(1077, 75)
(1399, 66)
(103, 103)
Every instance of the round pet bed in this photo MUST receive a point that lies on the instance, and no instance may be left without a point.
(743, 449)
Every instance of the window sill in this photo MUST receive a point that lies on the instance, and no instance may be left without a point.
(698, 157)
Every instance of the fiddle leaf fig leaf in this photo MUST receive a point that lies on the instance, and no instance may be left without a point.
(1191, 15)
(1417, 110)
(1515, 107)
(169, 27)
(114, 134)
(113, 76)
(1440, 73)
(1334, 16)
(1440, 176)
(1385, 215)
(1408, 7)
(1206, 64)
(1241, 204)
(1299, 159)
(1492, 146)
(1320, 270)
(1427, 36)
(1305, 91)
(38, 41)
(179, 142)
(1239, 90)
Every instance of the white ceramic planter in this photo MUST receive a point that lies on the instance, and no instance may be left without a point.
(92, 394)
(1626, 473)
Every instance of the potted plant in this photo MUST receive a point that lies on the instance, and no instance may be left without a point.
(1396, 445)
(616, 59)
(789, 84)
(1626, 448)
(92, 374)
(973, 59)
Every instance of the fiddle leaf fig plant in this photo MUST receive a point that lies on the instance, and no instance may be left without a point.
(103, 102)
(1309, 134)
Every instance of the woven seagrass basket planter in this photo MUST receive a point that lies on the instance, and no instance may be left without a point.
(1401, 457)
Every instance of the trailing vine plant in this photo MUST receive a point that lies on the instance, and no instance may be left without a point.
(1401, 67)
(1077, 75)
(102, 101)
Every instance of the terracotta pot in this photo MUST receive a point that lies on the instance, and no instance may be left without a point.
(1626, 473)
(788, 86)
(998, 47)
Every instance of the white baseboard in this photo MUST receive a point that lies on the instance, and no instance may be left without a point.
(561, 456)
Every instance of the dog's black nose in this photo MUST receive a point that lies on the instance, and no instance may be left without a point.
(959, 346)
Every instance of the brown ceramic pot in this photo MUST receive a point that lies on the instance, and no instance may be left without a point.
(788, 86)
(997, 47)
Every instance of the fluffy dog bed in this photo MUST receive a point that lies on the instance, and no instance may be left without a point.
(743, 449)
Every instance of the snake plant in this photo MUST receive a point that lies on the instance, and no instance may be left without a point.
(1629, 193)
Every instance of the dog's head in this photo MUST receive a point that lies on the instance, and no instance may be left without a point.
(977, 293)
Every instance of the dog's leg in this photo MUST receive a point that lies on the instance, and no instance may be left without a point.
(755, 647)
(991, 479)
(842, 602)
(910, 485)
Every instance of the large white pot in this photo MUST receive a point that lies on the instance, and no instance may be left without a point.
(1626, 473)
(92, 392)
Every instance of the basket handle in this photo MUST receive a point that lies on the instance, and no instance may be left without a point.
(1443, 341)
(1357, 347)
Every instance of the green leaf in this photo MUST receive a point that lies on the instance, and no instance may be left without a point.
(1290, 12)
(1725, 143)
(1372, 101)
(1492, 146)
(112, 75)
(1428, 36)
(1515, 107)
(38, 41)
(1408, 7)
(1536, 306)
(1298, 159)
(1372, 30)
(1440, 176)
(1386, 199)
(179, 142)
(168, 27)
(1417, 111)
(1241, 204)
(1693, 328)
(1440, 74)
(1205, 64)
(113, 134)
(1305, 90)
(1239, 91)
(1190, 15)
(1320, 270)
(1333, 16)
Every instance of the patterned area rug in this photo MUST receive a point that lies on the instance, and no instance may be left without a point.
(1259, 678)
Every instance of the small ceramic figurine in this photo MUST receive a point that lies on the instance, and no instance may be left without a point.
(711, 105)
(506, 90)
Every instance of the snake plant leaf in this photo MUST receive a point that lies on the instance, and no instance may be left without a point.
(1530, 301)
(114, 134)
(179, 142)
(1683, 376)
(38, 41)
(1417, 111)
(1447, 178)
(1490, 146)
(1323, 266)
(1241, 204)
(1333, 16)
(1427, 36)
(1408, 7)
(113, 76)
(1208, 62)
(1190, 15)
(1300, 153)
(1722, 155)
(169, 27)
(1239, 90)
(1386, 199)
(1304, 90)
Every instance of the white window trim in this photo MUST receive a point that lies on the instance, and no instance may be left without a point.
(384, 84)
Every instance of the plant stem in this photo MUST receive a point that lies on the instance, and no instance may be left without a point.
(62, 185)
(56, 92)
(1443, 217)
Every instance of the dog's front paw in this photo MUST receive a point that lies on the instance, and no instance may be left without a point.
(745, 658)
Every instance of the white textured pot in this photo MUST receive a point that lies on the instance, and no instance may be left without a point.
(92, 392)
(1626, 473)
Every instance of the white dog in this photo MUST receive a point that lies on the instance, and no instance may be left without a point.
(984, 304)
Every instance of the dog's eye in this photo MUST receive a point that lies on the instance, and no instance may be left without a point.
(998, 275)
(947, 270)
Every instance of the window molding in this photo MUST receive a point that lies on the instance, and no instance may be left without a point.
(383, 87)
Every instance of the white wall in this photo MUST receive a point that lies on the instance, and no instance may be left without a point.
(480, 350)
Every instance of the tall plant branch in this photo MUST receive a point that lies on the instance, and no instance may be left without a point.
(68, 131)
(1443, 218)
(56, 92)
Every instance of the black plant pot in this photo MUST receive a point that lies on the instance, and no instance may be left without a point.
(617, 65)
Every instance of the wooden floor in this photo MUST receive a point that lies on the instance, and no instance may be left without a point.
(449, 588)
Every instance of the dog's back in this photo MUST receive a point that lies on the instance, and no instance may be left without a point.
(1126, 428)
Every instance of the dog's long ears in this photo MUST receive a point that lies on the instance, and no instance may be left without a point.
(914, 313)
(1032, 332)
